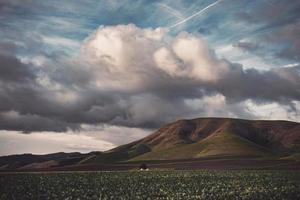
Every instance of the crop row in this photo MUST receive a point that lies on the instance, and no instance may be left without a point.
(152, 185)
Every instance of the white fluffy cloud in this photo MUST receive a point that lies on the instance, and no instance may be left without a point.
(136, 77)
(128, 56)
(143, 77)
(126, 82)
(274, 111)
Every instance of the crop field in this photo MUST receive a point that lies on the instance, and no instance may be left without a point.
(152, 185)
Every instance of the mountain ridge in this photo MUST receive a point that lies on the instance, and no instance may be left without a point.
(200, 138)
(276, 135)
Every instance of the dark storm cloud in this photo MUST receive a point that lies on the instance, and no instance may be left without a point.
(7, 48)
(66, 93)
(24, 8)
(29, 123)
(278, 24)
(23, 99)
(9, 4)
(273, 14)
(247, 46)
(161, 98)
(204, 31)
(290, 36)
(11, 69)
(274, 85)
(15, 76)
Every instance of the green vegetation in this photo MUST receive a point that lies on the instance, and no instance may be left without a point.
(119, 155)
(225, 144)
(152, 185)
(295, 156)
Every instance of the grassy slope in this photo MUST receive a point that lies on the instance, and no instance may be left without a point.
(295, 156)
(203, 138)
(219, 145)
(117, 156)
(213, 138)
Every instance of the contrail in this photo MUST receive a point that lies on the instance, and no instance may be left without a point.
(193, 15)
(268, 2)
(171, 10)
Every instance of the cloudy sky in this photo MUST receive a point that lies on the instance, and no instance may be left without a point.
(91, 75)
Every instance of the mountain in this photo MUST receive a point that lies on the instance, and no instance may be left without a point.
(195, 139)
(29, 161)
(216, 137)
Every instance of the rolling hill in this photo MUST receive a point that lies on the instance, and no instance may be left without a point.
(217, 137)
(195, 139)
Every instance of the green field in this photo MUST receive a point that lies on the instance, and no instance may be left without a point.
(152, 185)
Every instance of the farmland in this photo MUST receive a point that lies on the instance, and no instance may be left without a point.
(152, 185)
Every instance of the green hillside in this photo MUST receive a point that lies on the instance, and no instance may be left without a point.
(195, 139)
(216, 138)
(220, 145)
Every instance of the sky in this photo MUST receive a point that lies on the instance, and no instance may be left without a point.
(91, 75)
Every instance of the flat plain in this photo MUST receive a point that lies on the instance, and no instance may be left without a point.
(173, 184)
